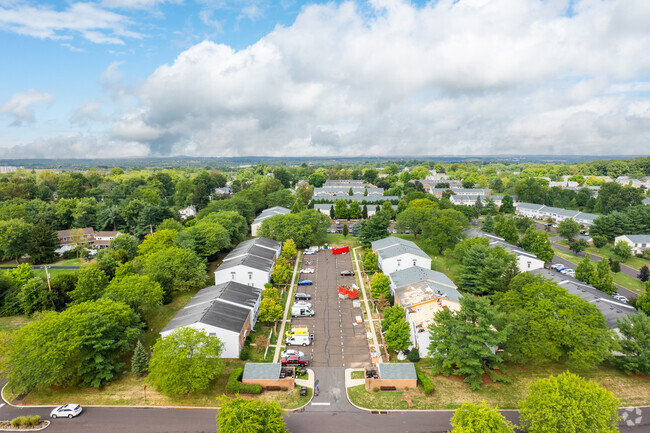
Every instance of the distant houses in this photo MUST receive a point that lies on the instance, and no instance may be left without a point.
(526, 261)
(638, 243)
(541, 212)
(188, 212)
(87, 235)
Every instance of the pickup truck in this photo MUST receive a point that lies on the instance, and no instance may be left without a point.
(294, 360)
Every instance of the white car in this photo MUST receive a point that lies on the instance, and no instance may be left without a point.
(620, 298)
(309, 252)
(66, 411)
(302, 304)
(307, 271)
(291, 352)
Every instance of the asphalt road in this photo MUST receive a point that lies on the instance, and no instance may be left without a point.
(627, 270)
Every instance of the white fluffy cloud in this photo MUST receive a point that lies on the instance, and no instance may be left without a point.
(390, 78)
(89, 20)
(21, 105)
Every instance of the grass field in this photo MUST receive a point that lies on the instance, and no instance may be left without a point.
(450, 392)
(338, 240)
(608, 252)
(12, 323)
(626, 281)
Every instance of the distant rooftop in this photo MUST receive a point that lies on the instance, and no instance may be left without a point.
(397, 371)
(392, 241)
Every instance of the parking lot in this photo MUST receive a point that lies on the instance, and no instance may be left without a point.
(338, 339)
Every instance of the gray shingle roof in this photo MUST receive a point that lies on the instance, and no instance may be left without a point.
(250, 261)
(397, 371)
(261, 371)
(531, 206)
(398, 250)
(210, 312)
(497, 241)
(416, 274)
(237, 293)
(268, 213)
(252, 249)
(390, 241)
(639, 239)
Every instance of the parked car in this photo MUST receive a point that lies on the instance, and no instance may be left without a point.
(297, 331)
(569, 272)
(299, 340)
(305, 283)
(302, 296)
(298, 311)
(307, 271)
(295, 360)
(302, 304)
(291, 352)
(556, 266)
(66, 411)
(620, 298)
(347, 273)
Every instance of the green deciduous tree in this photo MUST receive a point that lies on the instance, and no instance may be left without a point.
(35, 296)
(14, 238)
(370, 260)
(83, 343)
(569, 403)
(635, 344)
(374, 228)
(91, 282)
(124, 242)
(539, 244)
(585, 270)
(506, 228)
(289, 249)
(379, 285)
(479, 418)
(549, 325)
(578, 246)
(139, 360)
(398, 336)
(157, 241)
(488, 224)
(137, 291)
(507, 205)
(236, 224)
(603, 278)
(465, 343)
(42, 243)
(568, 228)
(445, 229)
(185, 361)
(623, 250)
(413, 219)
(238, 415)
(270, 310)
(175, 269)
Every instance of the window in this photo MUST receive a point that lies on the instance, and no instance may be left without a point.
(250, 275)
(232, 275)
(528, 265)
(399, 262)
(415, 262)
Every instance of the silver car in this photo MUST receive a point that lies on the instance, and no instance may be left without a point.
(66, 411)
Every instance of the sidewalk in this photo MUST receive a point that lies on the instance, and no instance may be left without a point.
(309, 383)
(375, 344)
(280, 341)
(353, 382)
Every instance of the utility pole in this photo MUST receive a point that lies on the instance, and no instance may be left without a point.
(49, 286)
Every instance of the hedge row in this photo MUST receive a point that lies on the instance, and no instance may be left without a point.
(425, 382)
(235, 386)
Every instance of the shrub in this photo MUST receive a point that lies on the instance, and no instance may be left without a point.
(19, 421)
(244, 354)
(414, 355)
(235, 386)
(425, 382)
(33, 420)
(599, 241)
(375, 389)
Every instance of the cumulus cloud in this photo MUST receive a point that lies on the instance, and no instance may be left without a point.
(89, 111)
(451, 77)
(88, 20)
(21, 106)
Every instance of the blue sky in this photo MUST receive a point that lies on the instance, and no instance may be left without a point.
(151, 77)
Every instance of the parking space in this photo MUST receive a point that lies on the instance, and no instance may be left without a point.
(339, 338)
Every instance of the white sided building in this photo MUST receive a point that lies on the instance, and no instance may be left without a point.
(639, 243)
(189, 211)
(526, 261)
(398, 257)
(249, 270)
(267, 213)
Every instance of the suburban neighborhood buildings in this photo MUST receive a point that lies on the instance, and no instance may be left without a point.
(372, 208)
(189, 211)
(87, 235)
(267, 213)
(394, 254)
(639, 243)
(229, 309)
(541, 212)
(526, 261)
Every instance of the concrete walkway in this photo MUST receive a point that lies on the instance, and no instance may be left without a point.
(287, 308)
(309, 383)
(375, 345)
(353, 382)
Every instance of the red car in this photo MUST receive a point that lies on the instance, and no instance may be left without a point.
(347, 273)
(294, 360)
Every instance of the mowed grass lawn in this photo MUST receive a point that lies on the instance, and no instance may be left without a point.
(626, 281)
(338, 240)
(12, 323)
(450, 392)
(608, 252)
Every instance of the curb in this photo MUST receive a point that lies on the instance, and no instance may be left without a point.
(303, 406)
(47, 424)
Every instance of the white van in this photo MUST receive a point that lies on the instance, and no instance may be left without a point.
(298, 340)
(301, 311)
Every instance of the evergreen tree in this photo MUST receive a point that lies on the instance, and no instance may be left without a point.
(585, 270)
(478, 205)
(332, 215)
(364, 212)
(350, 192)
(488, 224)
(140, 360)
(42, 243)
(346, 230)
